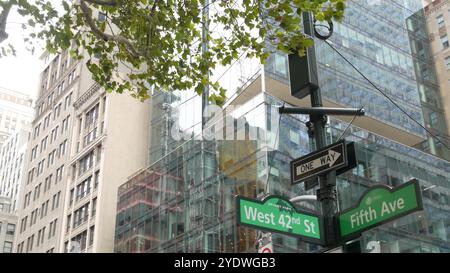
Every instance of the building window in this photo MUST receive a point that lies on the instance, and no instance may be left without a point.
(96, 179)
(444, 41)
(440, 21)
(62, 148)
(7, 247)
(43, 144)
(86, 163)
(90, 137)
(69, 218)
(81, 240)
(447, 62)
(433, 118)
(59, 174)
(84, 188)
(31, 242)
(37, 192)
(67, 100)
(57, 111)
(20, 248)
(72, 191)
(55, 201)
(65, 124)
(52, 228)
(43, 232)
(41, 167)
(80, 215)
(39, 237)
(94, 207)
(91, 235)
(23, 224)
(91, 116)
(10, 229)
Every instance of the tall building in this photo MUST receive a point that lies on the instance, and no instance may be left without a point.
(44, 183)
(84, 143)
(185, 200)
(438, 30)
(15, 111)
(13, 154)
(8, 222)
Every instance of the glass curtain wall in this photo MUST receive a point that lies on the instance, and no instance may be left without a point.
(170, 208)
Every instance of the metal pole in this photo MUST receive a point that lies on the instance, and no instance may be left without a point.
(205, 103)
(205, 49)
(322, 111)
(327, 191)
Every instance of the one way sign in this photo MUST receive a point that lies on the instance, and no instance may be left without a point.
(321, 161)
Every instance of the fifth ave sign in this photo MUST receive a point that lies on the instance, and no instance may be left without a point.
(321, 161)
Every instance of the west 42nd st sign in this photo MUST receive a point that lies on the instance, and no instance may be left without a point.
(275, 214)
(378, 205)
(324, 160)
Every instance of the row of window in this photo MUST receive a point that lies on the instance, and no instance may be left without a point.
(43, 211)
(59, 89)
(40, 238)
(47, 185)
(10, 228)
(81, 215)
(53, 136)
(83, 188)
(78, 242)
(56, 153)
(86, 163)
(56, 114)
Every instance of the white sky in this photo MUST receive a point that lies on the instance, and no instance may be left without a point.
(20, 73)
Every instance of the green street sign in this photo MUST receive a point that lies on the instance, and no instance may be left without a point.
(379, 205)
(276, 214)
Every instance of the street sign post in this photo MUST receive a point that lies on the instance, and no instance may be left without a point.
(276, 214)
(379, 205)
(321, 161)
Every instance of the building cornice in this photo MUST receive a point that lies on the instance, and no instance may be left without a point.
(86, 95)
(434, 7)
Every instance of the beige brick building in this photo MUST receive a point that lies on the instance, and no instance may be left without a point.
(437, 14)
(84, 143)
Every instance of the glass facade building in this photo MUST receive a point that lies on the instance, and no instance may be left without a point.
(185, 200)
(179, 204)
(379, 46)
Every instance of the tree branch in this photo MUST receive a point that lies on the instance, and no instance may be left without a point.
(3, 17)
(101, 35)
(111, 3)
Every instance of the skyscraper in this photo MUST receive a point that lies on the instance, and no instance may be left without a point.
(15, 111)
(13, 155)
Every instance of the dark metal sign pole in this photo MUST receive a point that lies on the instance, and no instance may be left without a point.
(326, 194)
(304, 81)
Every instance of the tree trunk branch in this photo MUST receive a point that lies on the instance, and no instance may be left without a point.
(101, 35)
(111, 3)
(3, 17)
